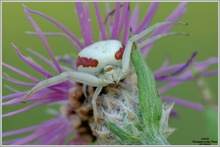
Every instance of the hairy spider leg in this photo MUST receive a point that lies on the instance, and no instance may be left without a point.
(134, 38)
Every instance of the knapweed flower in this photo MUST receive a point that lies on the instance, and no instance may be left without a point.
(73, 123)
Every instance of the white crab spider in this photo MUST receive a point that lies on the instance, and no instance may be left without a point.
(101, 63)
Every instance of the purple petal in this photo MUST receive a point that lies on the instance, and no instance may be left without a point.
(62, 27)
(31, 106)
(184, 77)
(14, 95)
(126, 28)
(89, 25)
(100, 21)
(84, 23)
(205, 64)
(42, 58)
(69, 61)
(175, 15)
(56, 137)
(114, 32)
(11, 89)
(135, 17)
(42, 37)
(53, 135)
(24, 130)
(48, 61)
(64, 136)
(47, 132)
(183, 102)
(37, 134)
(210, 73)
(10, 141)
(56, 34)
(108, 18)
(19, 82)
(168, 86)
(181, 69)
(124, 14)
(187, 77)
(32, 64)
(37, 67)
(42, 95)
(21, 72)
(201, 65)
(148, 17)
(186, 65)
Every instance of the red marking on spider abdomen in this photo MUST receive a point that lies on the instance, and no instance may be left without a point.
(119, 53)
(86, 62)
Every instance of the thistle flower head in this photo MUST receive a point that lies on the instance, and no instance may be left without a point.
(73, 123)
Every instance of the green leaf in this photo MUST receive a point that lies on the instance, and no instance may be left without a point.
(150, 102)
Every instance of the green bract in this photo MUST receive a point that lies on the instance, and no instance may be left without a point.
(150, 102)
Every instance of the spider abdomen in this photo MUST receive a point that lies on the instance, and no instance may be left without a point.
(95, 57)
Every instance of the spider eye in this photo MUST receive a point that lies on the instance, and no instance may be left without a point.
(108, 68)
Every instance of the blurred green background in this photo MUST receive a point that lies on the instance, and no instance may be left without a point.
(203, 30)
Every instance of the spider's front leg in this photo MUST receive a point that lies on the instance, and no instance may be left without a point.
(80, 77)
(136, 37)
